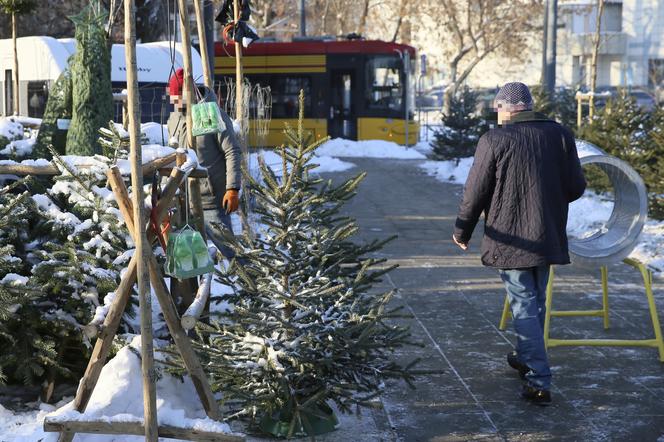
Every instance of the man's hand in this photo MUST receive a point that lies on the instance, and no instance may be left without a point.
(231, 201)
(462, 245)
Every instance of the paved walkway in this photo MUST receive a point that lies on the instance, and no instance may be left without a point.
(599, 393)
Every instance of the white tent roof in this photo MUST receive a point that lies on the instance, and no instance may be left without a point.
(44, 58)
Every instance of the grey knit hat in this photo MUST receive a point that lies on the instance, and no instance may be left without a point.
(514, 97)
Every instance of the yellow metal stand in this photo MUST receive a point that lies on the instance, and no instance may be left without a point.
(657, 342)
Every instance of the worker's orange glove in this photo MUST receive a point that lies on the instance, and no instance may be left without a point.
(231, 200)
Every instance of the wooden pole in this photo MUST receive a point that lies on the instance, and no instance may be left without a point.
(16, 86)
(595, 54)
(142, 246)
(189, 94)
(136, 428)
(203, 43)
(239, 75)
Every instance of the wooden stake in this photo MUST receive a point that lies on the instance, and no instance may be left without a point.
(136, 428)
(16, 85)
(189, 94)
(196, 202)
(202, 44)
(142, 246)
(239, 75)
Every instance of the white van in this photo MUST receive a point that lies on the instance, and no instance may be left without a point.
(42, 59)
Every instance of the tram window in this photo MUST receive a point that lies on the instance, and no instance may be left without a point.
(285, 96)
(37, 97)
(384, 83)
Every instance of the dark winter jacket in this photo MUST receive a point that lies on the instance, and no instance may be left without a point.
(220, 154)
(523, 178)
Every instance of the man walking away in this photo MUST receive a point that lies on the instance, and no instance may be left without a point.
(524, 175)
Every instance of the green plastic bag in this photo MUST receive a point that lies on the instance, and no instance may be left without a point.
(206, 119)
(187, 254)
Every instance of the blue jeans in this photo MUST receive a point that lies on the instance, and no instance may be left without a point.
(219, 216)
(526, 290)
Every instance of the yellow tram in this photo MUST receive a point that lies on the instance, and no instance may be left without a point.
(354, 89)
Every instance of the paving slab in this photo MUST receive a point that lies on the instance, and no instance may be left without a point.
(600, 393)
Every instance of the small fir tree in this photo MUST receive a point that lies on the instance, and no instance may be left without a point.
(62, 253)
(58, 107)
(92, 96)
(559, 106)
(304, 330)
(461, 129)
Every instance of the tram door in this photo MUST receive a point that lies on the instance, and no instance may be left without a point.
(342, 122)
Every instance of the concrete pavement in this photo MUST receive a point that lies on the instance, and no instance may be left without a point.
(599, 393)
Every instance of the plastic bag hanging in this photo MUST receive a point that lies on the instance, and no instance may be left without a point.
(187, 254)
(206, 119)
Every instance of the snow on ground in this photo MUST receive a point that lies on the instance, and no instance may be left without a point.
(10, 129)
(449, 171)
(118, 396)
(273, 159)
(339, 147)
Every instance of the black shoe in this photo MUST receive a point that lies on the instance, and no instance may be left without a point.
(514, 362)
(536, 396)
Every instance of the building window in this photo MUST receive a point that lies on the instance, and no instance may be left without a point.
(384, 83)
(584, 18)
(37, 97)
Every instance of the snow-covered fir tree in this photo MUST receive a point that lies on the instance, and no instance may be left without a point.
(305, 329)
(461, 129)
(62, 249)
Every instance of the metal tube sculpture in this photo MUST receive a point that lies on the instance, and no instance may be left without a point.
(616, 239)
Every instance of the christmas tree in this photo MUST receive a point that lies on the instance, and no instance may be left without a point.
(58, 107)
(62, 254)
(461, 129)
(304, 330)
(626, 131)
(92, 96)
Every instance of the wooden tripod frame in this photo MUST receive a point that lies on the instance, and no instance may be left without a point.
(112, 322)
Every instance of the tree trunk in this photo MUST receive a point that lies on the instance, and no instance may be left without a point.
(363, 18)
(595, 54)
(203, 45)
(403, 4)
(326, 11)
(16, 94)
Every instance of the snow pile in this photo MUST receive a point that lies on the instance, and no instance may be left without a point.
(28, 426)
(155, 133)
(455, 172)
(273, 159)
(12, 142)
(118, 396)
(10, 129)
(339, 147)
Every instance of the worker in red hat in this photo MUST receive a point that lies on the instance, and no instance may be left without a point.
(219, 153)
